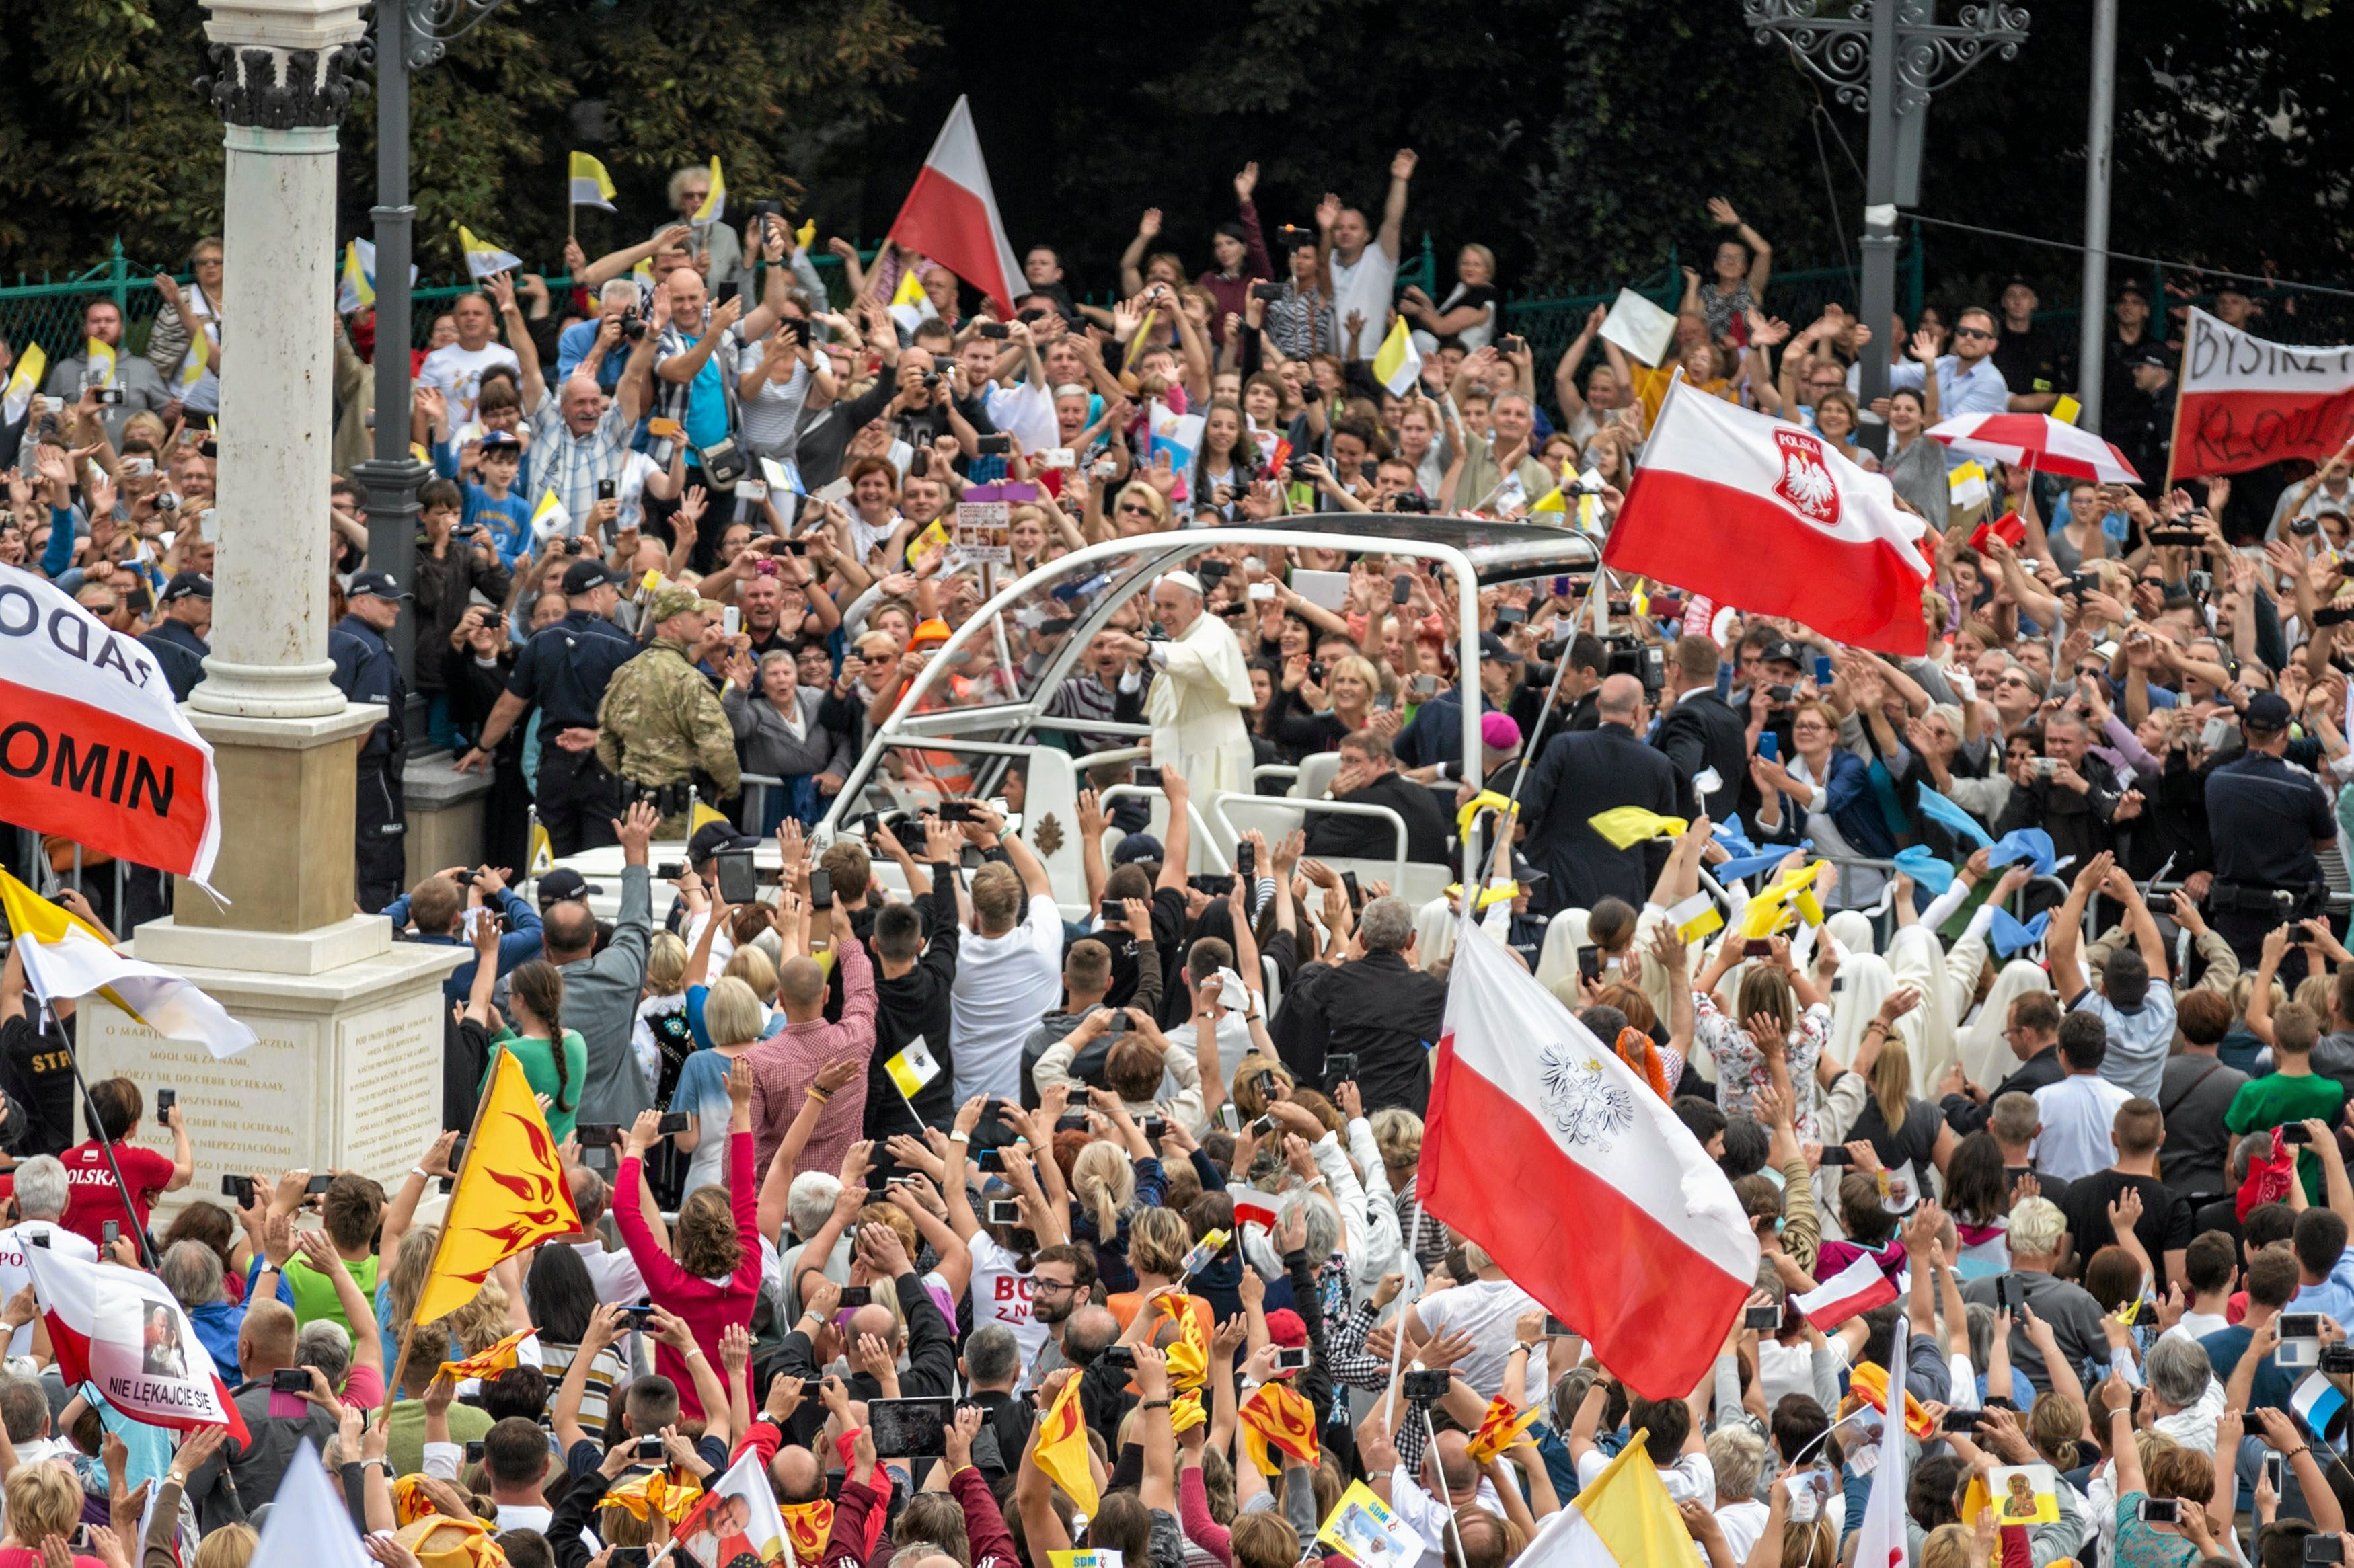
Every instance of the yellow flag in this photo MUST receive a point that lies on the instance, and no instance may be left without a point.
(805, 235)
(591, 185)
(1626, 826)
(1696, 917)
(1188, 1358)
(2066, 409)
(714, 206)
(700, 816)
(491, 1359)
(1276, 1417)
(100, 357)
(910, 291)
(1551, 501)
(1500, 1427)
(511, 1194)
(543, 852)
(1062, 1452)
(913, 1067)
(23, 383)
(65, 959)
(1791, 892)
(1398, 364)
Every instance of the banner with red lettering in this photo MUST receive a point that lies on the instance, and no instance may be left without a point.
(2246, 402)
(91, 745)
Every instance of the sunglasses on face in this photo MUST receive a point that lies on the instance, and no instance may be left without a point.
(1972, 331)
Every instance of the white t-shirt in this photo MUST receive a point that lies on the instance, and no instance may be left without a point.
(614, 1274)
(2078, 1113)
(2197, 1326)
(457, 371)
(1691, 1477)
(1365, 286)
(1003, 986)
(1743, 1523)
(1001, 1294)
(14, 1274)
(1488, 1310)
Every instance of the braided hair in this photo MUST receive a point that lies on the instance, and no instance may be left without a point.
(539, 986)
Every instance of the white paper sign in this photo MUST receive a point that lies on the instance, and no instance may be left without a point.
(1640, 327)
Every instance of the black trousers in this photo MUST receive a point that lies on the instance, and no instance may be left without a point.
(578, 799)
(380, 828)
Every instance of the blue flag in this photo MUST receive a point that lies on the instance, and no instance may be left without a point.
(1937, 808)
(2008, 935)
(2032, 846)
(1924, 867)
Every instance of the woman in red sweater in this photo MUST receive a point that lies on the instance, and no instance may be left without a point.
(709, 1274)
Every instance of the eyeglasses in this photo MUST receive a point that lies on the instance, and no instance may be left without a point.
(2013, 679)
(1972, 331)
(1131, 508)
(1040, 1285)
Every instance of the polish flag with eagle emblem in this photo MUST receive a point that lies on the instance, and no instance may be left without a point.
(511, 1193)
(1578, 1179)
(1771, 519)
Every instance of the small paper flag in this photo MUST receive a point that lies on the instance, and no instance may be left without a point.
(591, 185)
(714, 206)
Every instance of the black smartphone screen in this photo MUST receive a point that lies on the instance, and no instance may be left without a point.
(738, 883)
(820, 889)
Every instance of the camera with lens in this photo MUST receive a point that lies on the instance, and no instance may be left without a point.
(1551, 649)
(1409, 502)
(633, 326)
(1644, 660)
(2337, 1361)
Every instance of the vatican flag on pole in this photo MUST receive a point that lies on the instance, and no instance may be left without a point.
(1398, 365)
(485, 261)
(66, 960)
(1624, 1519)
(912, 1068)
(714, 206)
(550, 518)
(591, 185)
(19, 399)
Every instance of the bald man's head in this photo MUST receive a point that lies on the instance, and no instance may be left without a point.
(1619, 700)
(1454, 1463)
(800, 986)
(797, 1474)
(568, 930)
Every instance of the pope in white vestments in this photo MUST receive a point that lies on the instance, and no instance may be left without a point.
(1200, 691)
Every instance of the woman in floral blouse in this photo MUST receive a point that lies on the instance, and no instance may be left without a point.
(1774, 999)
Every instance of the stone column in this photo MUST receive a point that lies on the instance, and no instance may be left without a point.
(347, 1073)
(281, 84)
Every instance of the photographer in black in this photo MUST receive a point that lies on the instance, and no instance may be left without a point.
(2270, 821)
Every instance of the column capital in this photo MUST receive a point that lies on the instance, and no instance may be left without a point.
(279, 88)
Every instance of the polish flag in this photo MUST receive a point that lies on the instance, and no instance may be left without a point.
(951, 217)
(1850, 1293)
(121, 1329)
(1755, 513)
(2246, 402)
(1545, 1148)
(1882, 1540)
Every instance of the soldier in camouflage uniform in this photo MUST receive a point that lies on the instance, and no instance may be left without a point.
(660, 720)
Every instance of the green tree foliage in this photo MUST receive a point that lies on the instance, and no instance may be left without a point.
(103, 132)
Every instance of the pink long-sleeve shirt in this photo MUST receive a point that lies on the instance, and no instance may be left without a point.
(709, 1305)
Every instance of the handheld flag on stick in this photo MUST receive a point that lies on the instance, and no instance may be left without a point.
(495, 1358)
(912, 1068)
(1623, 1520)
(1500, 1427)
(123, 1331)
(27, 380)
(550, 518)
(714, 206)
(66, 960)
(951, 213)
(511, 1194)
(99, 359)
(355, 289)
(1398, 365)
(735, 1524)
(1277, 1417)
(1062, 1451)
(591, 185)
(485, 261)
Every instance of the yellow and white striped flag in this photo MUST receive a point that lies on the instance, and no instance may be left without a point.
(66, 960)
(23, 383)
(591, 185)
(485, 261)
(550, 518)
(714, 206)
(913, 1067)
(100, 358)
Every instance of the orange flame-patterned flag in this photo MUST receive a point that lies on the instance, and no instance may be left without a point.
(809, 1525)
(1062, 1451)
(1189, 1357)
(654, 1492)
(511, 1194)
(491, 1360)
(1277, 1417)
(1500, 1427)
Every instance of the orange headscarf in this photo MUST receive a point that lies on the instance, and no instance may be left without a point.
(1635, 1049)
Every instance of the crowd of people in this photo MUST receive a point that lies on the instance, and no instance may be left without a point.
(2029, 991)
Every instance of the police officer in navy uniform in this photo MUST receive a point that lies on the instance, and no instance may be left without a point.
(564, 669)
(178, 637)
(366, 671)
(2270, 821)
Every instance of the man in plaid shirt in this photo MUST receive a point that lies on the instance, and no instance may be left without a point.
(576, 442)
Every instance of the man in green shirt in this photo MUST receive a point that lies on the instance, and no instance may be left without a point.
(2292, 1092)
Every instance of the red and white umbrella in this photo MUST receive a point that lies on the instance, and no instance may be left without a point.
(2038, 442)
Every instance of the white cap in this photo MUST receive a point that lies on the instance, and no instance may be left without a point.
(1187, 581)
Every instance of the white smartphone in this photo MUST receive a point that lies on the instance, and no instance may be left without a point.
(1059, 457)
(731, 620)
(835, 493)
(1262, 592)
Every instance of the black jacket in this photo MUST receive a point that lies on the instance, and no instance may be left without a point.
(913, 1005)
(931, 1358)
(1702, 731)
(1966, 1115)
(1347, 835)
(1381, 1009)
(1575, 776)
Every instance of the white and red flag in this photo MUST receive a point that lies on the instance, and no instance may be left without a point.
(1759, 513)
(1545, 1148)
(2246, 402)
(121, 1329)
(1850, 1293)
(950, 215)
(92, 744)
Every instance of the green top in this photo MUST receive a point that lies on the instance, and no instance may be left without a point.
(314, 1293)
(405, 1438)
(2278, 1098)
(539, 1066)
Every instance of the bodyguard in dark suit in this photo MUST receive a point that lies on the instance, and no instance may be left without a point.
(178, 640)
(1581, 774)
(1702, 729)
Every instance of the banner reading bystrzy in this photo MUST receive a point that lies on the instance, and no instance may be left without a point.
(2246, 402)
(123, 1331)
(91, 745)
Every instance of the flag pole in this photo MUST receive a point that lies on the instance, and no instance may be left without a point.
(1398, 1332)
(1430, 1446)
(400, 1360)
